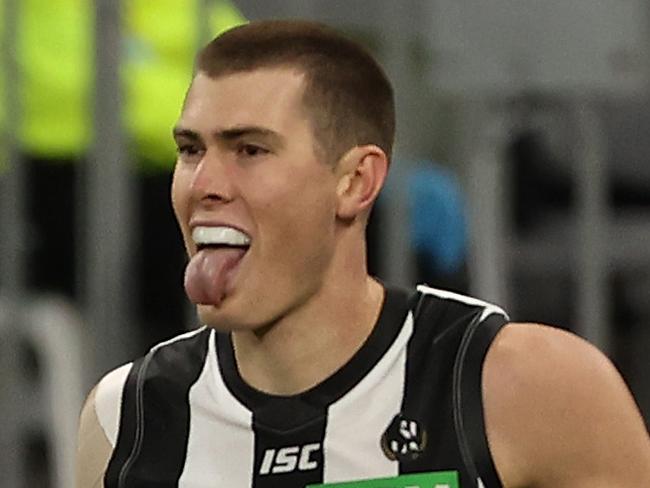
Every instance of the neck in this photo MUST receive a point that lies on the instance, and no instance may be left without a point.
(314, 341)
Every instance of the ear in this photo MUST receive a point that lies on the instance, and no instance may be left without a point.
(362, 172)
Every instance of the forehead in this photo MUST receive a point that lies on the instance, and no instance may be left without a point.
(269, 98)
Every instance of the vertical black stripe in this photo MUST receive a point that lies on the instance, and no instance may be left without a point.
(152, 440)
(127, 430)
(439, 326)
(469, 399)
(289, 439)
(459, 399)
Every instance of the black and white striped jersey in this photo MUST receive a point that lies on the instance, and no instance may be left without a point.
(405, 411)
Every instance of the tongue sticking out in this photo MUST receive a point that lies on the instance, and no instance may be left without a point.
(206, 275)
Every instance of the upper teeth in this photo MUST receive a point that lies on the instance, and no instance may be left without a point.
(219, 235)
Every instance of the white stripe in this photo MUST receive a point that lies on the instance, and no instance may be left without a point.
(108, 401)
(221, 447)
(351, 454)
(488, 308)
(177, 338)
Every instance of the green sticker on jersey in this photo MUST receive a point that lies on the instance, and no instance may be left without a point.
(439, 479)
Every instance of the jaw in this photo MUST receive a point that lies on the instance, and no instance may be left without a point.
(225, 317)
(254, 307)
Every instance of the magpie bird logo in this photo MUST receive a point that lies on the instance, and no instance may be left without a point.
(403, 440)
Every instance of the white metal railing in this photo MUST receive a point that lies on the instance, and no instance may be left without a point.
(494, 253)
(50, 404)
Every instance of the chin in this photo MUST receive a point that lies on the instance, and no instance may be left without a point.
(224, 319)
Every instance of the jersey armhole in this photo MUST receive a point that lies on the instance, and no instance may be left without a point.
(108, 401)
(469, 417)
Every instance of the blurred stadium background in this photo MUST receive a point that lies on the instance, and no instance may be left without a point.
(521, 175)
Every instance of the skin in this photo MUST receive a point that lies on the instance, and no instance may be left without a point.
(93, 448)
(557, 412)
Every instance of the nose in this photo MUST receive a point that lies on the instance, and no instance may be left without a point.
(211, 181)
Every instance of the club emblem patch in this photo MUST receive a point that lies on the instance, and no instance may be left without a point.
(403, 440)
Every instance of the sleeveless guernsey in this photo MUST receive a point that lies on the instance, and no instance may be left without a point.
(405, 411)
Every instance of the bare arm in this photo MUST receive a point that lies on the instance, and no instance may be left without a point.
(558, 414)
(93, 450)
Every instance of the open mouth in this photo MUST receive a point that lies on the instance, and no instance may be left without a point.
(201, 247)
(220, 237)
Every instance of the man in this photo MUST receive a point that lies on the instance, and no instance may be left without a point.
(308, 370)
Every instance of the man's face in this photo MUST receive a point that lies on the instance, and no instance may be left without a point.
(247, 163)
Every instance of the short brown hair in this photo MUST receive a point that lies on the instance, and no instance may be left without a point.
(347, 94)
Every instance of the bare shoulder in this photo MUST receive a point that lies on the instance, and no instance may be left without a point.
(98, 427)
(559, 414)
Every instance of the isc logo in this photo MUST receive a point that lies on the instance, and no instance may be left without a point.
(288, 459)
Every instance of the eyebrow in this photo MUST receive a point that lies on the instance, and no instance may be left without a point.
(232, 133)
(181, 132)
